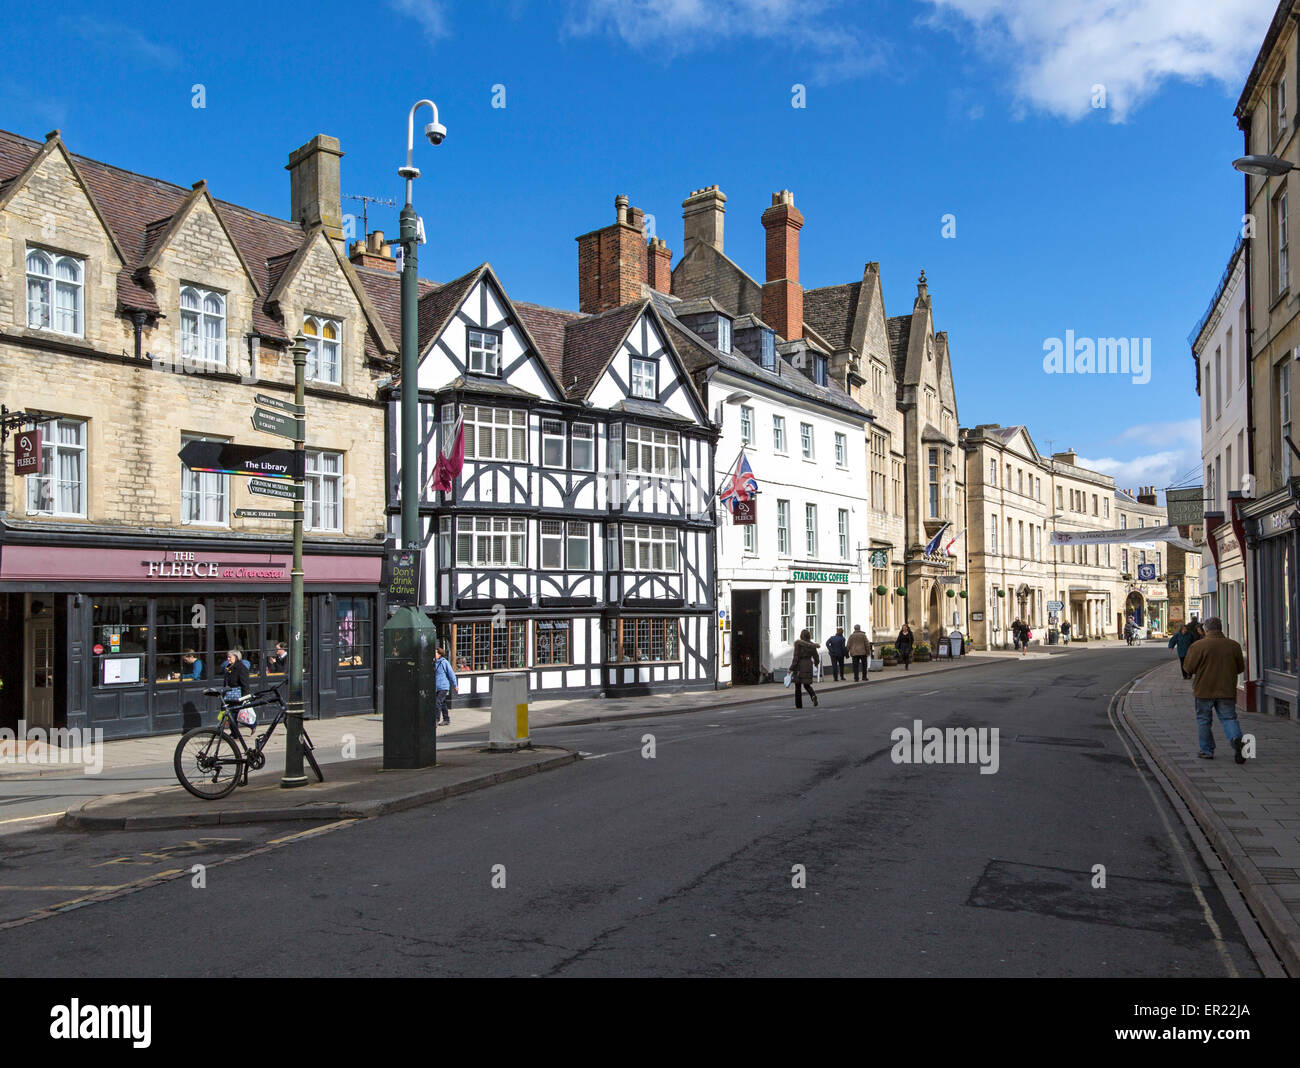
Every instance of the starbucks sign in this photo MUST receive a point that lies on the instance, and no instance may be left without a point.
(819, 576)
(879, 558)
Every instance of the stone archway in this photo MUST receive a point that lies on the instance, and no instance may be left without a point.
(1135, 606)
(933, 621)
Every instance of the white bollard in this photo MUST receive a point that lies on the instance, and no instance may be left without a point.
(509, 728)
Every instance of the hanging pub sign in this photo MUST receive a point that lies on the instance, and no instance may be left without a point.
(744, 513)
(879, 558)
(27, 452)
(402, 577)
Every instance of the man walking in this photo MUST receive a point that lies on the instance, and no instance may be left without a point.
(444, 682)
(835, 646)
(859, 647)
(802, 666)
(1214, 663)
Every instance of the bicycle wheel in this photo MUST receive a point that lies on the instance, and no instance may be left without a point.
(208, 763)
(311, 757)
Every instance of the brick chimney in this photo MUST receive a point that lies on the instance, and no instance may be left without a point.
(782, 294)
(374, 252)
(1146, 495)
(314, 185)
(658, 265)
(612, 261)
(702, 214)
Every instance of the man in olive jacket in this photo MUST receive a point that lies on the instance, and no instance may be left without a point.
(1214, 663)
(859, 647)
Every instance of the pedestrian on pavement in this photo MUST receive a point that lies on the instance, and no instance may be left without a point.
(1025, 635)
(835, 646)
(859, 647)
(1214, 663)
(1065, 632)
(1015, 634)
(1182, 641)
(235, 674)
(805, 659)
(903, 643)
(444, 685)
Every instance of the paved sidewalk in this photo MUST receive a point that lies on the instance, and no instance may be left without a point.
(331, 737)
(1250, 812)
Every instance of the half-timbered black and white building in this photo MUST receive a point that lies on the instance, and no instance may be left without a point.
(577, 542)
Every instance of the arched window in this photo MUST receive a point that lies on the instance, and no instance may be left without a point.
(54, 292)
(203, 327)
(323, 346)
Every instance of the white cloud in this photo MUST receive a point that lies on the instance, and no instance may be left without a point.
(835, 48)
(119, 35)
(1056, 52)
(1176, 458)
(429, 14)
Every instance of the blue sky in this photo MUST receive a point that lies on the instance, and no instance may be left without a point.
(1113, 221)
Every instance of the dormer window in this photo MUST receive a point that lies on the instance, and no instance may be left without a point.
(484, 356)
(724, 334)
(323, 343)
(644, 375)
(54, 292)
(819, 370)
(203, 327)
(768, 350)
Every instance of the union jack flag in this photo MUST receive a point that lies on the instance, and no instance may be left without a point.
(741, 485)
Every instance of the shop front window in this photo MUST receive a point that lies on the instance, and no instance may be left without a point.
(279, 636)
(181, 641)
(237, 625)
(355, 631)
(120, 626)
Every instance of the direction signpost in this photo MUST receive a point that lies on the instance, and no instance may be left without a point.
(279, 473)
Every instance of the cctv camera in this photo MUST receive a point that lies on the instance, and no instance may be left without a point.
(435, 132)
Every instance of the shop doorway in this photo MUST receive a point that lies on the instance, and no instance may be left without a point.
(933, 622)
(38, 663)
(1134, 607)
(746, 637)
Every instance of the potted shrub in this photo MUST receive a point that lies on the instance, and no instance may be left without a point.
(901, 591)
(921, 652)
(889, 655)
(882, 590)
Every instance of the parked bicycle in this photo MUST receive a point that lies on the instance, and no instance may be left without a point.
(211, 761)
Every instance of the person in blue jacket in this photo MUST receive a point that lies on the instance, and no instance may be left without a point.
(444, 683)
(193, 665)
(1181, 642)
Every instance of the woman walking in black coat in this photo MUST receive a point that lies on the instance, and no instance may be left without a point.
(801, 667)
(903, 643)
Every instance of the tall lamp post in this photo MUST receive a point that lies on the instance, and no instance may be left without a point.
(409, 638)
(410, 415)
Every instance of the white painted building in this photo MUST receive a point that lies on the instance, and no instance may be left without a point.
(1220, 348)
(805, 562)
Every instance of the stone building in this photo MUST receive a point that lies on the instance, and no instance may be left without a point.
(1270, 516)
(135, 315)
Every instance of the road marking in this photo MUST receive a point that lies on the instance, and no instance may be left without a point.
(23, 819)
(312, 831)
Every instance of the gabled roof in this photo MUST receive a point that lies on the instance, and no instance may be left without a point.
(699, 355)
(900, 335)
(590, 344)
(139, 213)
(547, 326)
(830, 311)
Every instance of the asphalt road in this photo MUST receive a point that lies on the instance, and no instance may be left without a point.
(685, 863)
